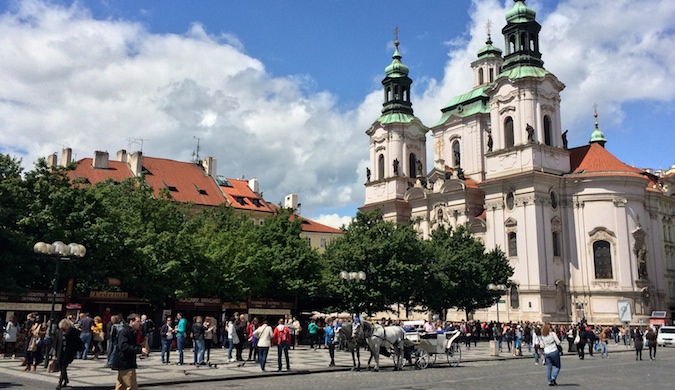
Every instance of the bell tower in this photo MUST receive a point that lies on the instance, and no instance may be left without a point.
(397, 145)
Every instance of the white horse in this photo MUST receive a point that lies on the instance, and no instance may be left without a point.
(378, 337)
(346, 332)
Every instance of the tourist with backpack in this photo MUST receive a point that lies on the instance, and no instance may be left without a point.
(282, 336)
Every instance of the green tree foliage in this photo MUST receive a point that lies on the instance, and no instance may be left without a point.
(459, 270)
(391, 256)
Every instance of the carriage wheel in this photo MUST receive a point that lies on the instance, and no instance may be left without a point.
(423, 359)
(454, 354)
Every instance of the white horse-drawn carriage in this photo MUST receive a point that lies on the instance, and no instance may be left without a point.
(422, 348)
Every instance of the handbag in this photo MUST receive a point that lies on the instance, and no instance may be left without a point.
(560, 348)
(577, 339)
(98, 336)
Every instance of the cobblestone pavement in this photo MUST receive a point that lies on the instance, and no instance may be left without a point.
(477, 368)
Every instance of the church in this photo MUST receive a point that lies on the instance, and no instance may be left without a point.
(589, 237)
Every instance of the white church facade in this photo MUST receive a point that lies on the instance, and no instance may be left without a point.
(582, 229)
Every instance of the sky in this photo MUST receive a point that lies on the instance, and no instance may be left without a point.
(283, 91)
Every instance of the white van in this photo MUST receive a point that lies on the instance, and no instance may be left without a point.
(666, 336)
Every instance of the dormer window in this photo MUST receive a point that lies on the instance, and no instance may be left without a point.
(240, 200)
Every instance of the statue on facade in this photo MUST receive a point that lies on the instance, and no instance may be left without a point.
(564, 139)
(420, 168)
(395, 167)
(642, 263)
(367, 175)
(530, 133)
(457, 158)
(490, 143)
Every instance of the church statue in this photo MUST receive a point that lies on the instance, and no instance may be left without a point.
(490, 143)
(564, 139)
(367, 175)
(457, 158)
(642, 263)
(460, 173)
(396, 167)
(530, 133)
(420, 168)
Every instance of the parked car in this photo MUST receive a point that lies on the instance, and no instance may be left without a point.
(666, 336)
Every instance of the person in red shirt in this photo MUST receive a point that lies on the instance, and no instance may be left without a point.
(282, 336)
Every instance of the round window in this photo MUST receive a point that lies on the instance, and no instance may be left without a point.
(510, 200)
(554, 200)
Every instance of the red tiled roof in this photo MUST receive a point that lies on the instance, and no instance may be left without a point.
(593, 158)
(117, 171)
(311, 226)
(241, 196)
(186, 182)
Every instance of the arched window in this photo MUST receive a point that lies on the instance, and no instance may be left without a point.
(556, 244)
(523, 41)
(515, 297)
(412, 165)
(602, 257)
(513, 244)
(512, 44)
(492, 75)
(547, 131)
(509, 139)
(481, 78)
(456, 154)
(380, 167)
(396, 96)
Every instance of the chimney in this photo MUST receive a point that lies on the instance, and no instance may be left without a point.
(122, 155)
(254, 186)
(135, 161)
(291, 201)
(52, 160)
(100, 160)
(66, 156)
(210, 164)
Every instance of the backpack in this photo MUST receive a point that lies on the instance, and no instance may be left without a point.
(284, 336)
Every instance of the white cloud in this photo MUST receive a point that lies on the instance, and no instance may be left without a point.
(334, 220)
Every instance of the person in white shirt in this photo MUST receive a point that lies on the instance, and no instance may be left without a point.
(264, 335)
(550, 343)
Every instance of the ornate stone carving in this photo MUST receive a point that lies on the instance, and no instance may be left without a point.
(605, 284)
(640, 251)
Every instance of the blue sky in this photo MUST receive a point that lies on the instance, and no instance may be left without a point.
(284, 90)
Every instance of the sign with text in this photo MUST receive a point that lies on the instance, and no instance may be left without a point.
(188, 303)
(32, 296)
(109, 294)
(270, 304)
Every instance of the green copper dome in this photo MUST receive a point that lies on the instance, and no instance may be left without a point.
(597, 136)
(489, 51)
(396, 68)
(520, 13)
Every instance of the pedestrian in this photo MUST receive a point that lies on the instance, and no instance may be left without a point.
(98, 336)
(166, 333)
(124, 360)
(313, 330)
(605, 334)
(209, 336)
(84, 324)
(638, 341)
(296, 335)
(590, 338)
(148, 329)
(198, 340)
(282, 337)
(9, 336)
(551, 345)
(241, 324)
(67, 345)
(651, 343)
(253, 352)
(264, 336)
(329, 341)
(33, 337)
(116, 326)
(180, 330)
(537, 341)
(232, 339)
(580, 340)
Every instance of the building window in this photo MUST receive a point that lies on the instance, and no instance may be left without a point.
(412, 165)
(380, 167)
(602, 258)
(492, 75)
(481, 78)
(515, 297)
(554, 200)
(547, 131)
(513, 244)
(510, 200)
(323, 242)
(309, 241)
(456, 154)
(509, 139)
(556, 244)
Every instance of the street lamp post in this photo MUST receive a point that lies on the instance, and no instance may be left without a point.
(59, 252)
(353, 277)
(500, 288)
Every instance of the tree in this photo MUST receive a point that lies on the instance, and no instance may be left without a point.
(460, 270)
(391, 256)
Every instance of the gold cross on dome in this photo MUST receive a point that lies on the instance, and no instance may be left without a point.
(595, 110)
(488, 26)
